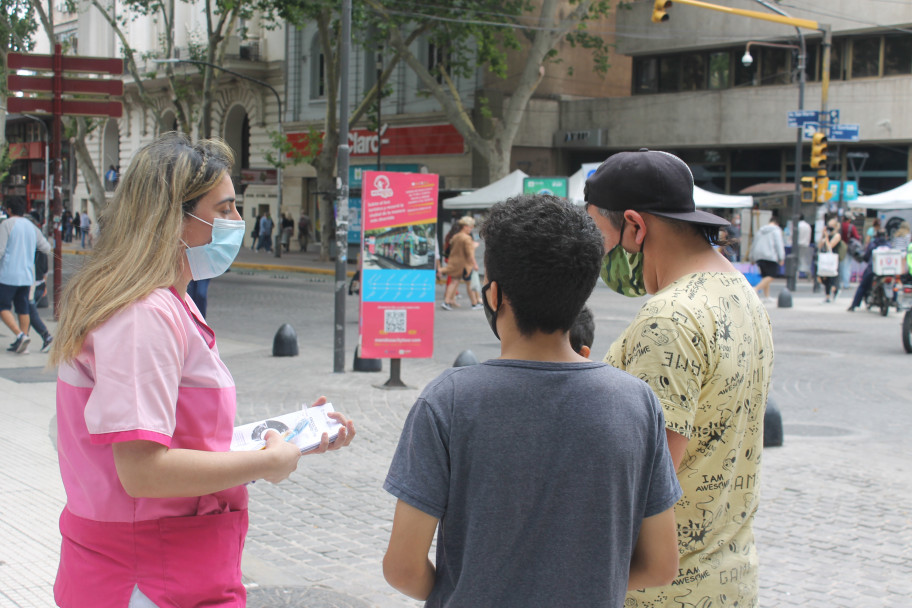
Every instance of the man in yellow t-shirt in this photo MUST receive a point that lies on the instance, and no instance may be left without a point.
(703, 342)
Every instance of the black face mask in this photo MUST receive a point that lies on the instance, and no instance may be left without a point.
(490, 313)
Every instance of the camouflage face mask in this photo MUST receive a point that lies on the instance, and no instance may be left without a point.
(622, 271)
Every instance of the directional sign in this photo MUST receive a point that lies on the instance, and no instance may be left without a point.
(43, 84)
(70, 63)
(844, 133)
(70, 107)
(809, 128)
(830, 117)
(798, 118)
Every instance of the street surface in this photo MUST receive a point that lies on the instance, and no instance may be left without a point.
(835, 521)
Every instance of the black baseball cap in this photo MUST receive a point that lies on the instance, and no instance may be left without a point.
(652, 181)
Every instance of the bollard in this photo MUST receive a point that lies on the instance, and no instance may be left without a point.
(365, 365)
(785, 298)
(285, 343)
(772, 426)
(465, 358)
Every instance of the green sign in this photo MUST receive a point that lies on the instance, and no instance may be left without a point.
(545, 185)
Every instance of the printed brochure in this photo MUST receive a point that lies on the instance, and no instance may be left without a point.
(304, 428)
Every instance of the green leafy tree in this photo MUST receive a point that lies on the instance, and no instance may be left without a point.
(467, 34)
(368, 33)
(17, 25)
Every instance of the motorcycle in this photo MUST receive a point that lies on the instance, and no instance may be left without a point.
(906, 303)
(884, 292)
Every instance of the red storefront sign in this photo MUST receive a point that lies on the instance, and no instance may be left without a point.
(397, 141)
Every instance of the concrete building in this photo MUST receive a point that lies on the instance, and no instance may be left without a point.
(691, 93)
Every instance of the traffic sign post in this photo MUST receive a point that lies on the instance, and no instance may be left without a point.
(57, 86)
(845, 133)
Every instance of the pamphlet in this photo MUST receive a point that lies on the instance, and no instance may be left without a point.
(304, 428)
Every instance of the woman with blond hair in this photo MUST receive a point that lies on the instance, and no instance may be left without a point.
(156, 511)
(460, 263)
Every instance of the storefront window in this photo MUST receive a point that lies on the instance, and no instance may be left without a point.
(693, 72)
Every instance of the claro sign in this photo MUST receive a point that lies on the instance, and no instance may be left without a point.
(397, 141)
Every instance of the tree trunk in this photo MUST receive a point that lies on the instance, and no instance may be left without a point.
(326, 187)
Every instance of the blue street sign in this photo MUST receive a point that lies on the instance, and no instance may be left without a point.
(844, 133)
(798, 118)
(809, 128)
(830, 117)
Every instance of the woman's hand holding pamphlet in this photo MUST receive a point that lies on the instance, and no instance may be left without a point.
(304, 428)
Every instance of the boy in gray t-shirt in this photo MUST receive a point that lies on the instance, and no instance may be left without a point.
(548, 474)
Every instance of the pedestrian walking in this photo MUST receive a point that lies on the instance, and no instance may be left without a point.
(303, 230)
(703, 342)
(460, 263)
(546, 476)
(85, 224)
(768, 253)
(266, 227)
(831, 242)
(20, 238)
(287, 230)
(156, 505)
(255, 233)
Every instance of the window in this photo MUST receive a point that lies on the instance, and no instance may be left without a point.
(693, 72)
(669, 71)
(646, 78)
(866, 57)
(317, 70)
(719, 70)
(775, 66)
(438, 60)
(897, 55)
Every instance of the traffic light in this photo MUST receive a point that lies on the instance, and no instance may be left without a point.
(808, 194)
(823, 189)
(818, 151)
(658, 11)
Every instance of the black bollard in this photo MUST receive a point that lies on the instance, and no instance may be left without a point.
(285, 343)
(365, 365)
(785, 298)
(466, 357)
(772, 426)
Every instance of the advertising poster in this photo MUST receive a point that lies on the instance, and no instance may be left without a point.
(398, 257)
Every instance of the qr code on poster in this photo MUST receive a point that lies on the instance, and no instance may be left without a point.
(394, 321)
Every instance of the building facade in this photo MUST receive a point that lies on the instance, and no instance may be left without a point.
(691, 93)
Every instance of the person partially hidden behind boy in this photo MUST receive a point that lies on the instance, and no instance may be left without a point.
(582, 334)
(548, 474)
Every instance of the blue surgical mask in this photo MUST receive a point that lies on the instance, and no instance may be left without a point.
(215, 257)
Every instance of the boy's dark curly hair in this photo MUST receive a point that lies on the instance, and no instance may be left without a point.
(544, 254)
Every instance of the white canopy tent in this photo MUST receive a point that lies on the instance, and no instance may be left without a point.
(484, 198)
(897, 198)
(512, 185)
(702, 198)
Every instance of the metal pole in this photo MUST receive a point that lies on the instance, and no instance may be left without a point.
(379, 104)
(342, 200)
(58, 177)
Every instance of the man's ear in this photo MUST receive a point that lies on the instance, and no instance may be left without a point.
(584, 351)
(638, 223)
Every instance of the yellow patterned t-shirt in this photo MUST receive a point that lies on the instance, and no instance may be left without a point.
(704, 344)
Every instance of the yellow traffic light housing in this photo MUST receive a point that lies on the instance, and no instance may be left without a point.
(658, 11)
(808, 190)
(818, 151)
(823, 189)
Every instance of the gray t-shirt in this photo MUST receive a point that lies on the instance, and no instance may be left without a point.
(540, 474)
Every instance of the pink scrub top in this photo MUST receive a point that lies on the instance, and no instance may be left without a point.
(151, 372)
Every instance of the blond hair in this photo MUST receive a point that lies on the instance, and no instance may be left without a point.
(139, 248)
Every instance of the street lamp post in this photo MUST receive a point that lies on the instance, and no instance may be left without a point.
(278, 244)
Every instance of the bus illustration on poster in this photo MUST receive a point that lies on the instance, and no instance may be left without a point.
(398, 261)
